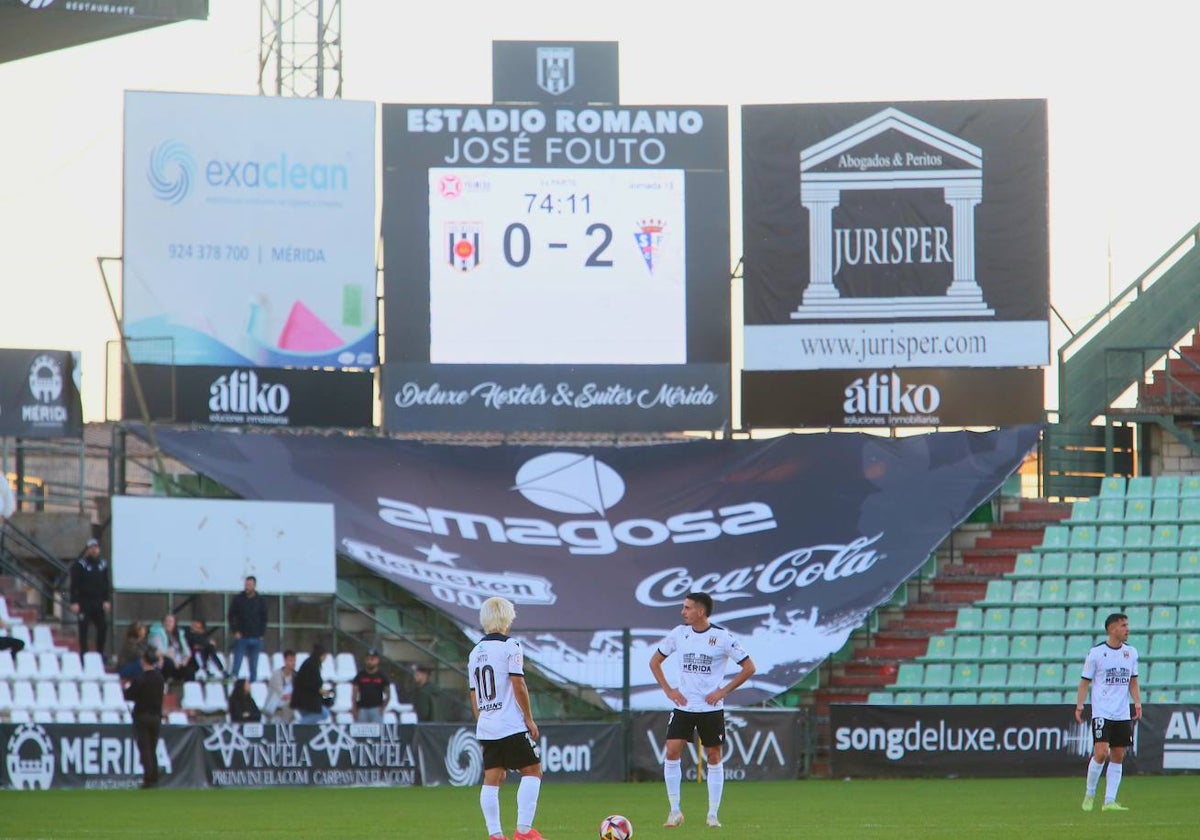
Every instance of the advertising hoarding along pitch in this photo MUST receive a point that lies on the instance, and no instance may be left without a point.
(575, 240)
(249, 229)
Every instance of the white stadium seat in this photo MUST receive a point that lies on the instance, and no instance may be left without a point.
(343, 717)
(64, 716)
(22, 695)
(20, 716)
(329, 669)
(45, 696)
(109, 716)
(113, 697)
(346, 668)
(7, 667)
(70, 666)
(68, 696)
(408, 717)
(43, 640)
(48, 666)
(6, 698)
(93, 667)
(87, 716)
(89, 696)
(177, 718)
(343, 694)
(21, 632)
(193, 697)
(214, 697)
(258, 691)
(43, 716)
(6, 616)
(27, 666)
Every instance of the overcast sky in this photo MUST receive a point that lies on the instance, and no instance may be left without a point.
(1124, 122)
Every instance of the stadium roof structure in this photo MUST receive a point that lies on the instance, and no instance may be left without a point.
(34, 27)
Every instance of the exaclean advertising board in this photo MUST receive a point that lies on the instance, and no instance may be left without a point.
(555, 266)
(249, 229)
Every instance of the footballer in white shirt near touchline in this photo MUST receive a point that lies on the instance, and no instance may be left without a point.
(704, 650)
(1111, 672)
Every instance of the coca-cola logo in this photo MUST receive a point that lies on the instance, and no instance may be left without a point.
(798, 568)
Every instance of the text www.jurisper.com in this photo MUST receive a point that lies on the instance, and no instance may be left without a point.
(888, 348)
(896, 741)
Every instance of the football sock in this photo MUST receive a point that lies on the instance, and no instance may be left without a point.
(1114, 781)
(672, 774)
(489, 803)
(527, 798)
(716, 784)
(1093, 776)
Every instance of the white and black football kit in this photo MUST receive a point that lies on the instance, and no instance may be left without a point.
(501, 726)
(1110, 671)
(703, 660)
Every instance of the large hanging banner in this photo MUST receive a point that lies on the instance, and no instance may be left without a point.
(249, 229)
(797, 538)
(39, 394)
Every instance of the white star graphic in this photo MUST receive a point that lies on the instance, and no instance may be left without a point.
(435, 554)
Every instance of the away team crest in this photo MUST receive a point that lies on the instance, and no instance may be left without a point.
(649, 237)
(462, 244)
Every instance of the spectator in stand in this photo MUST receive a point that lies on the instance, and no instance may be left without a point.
(91, 595)
(279, 690)
(307, 697)
(242, 708)
(146, 691)
(175, 659)
(425, 694)
(203, 651)
(248, 625)
(134, 651)
(7, 642)
(371, 691)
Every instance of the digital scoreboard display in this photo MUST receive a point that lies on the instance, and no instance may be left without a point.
(551, 266)
(556, 267)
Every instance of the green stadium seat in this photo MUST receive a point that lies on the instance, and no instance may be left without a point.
(1109, 590)
(999, 591)
(991, 698)
(1189, 486)
(1052, 618)
(964, 698)
(1189, 510)
(965, 675)
(1056, 537)
(1163, 645)
(937, 674)
(1110, 510)
(1022, 647)
(994, 647)
(1139, 617)
(1189, 536)
(1166, 535)
(940, 647)
(936, 698)
(1166, 486)
(1140, 487)
(1053, 592)
(1049, 675)
(1166, 510)
(1137, 510)
(1164, 590)
(907, 698)
(910, 674)
(1137, 591)
(1084, 511)
(1054, 564)
(1136, 536)
(1110, 563)
(1022, 673)
(1081, 565)
(1160, 674)
(1189, 563)
(997, 618)
(969, 618)
(1113, 486)
(1047, 698)
(1052, 647)
(1085, 536)
(1081, 591)
(1027, 564)
(1017, 698)
(1190, 696)
(1189, 590)
(1024, 591)
(1077, 648)
(993, 675)
(1164, 564)
(1189, 645)
(1162, 695)
(968, 647)
(881, 698)
(1136, 563)
(1189, 673)
(1024, 619)
(1164, 618)
(1081, 618)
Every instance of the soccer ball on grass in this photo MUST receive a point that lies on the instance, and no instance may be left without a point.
(616, 827)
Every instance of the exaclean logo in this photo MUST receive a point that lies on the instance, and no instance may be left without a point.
(567, 482)
(886, 399)
(172, 174)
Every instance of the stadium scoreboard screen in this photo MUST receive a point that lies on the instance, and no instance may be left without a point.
(555, 265)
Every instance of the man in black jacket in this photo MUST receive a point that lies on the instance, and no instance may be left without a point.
(247, 625)
(146, 692)
(91, 594)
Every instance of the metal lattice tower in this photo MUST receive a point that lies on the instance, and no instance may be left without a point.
(300, 48)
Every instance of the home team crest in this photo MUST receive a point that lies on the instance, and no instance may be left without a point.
(649, 237)
(556, 69)
(462, 244)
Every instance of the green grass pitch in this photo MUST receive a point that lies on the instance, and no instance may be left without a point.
(1027, 809)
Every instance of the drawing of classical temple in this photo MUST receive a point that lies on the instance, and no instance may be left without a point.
(891, 151)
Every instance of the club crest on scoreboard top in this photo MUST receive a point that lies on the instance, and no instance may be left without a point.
(462, 244)
(556, 69)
